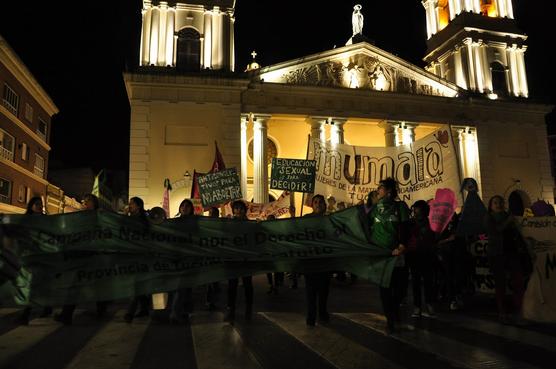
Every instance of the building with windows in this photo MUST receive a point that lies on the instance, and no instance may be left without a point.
(25, 115)
(188, 92)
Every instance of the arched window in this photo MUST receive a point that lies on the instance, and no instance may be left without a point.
(499, 84)
(443, 14)
(189, 50)
(488, 8)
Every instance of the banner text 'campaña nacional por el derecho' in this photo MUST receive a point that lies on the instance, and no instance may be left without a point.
(349, 173)
(98, 255)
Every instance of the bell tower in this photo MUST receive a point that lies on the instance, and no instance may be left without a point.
(189, 35)
(476, 44)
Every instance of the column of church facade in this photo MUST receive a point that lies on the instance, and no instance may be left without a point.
(146, 37)
(478, 65)
(337, 130)
(260, 165)
(207, 46)
(317, 128)
(487, 76)
(171, 39)
(161, 58)
(243, 139)
(153, 48)
(512, 65)
(523, 87)
(470, 63)
(458, 65)
(216, 38)
(232, 43)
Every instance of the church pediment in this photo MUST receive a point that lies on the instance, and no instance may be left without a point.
(361, 66)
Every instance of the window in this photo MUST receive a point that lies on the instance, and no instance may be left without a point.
(39, 165)
(5, 190)
(43, 128)
(6, 146)
(24, 151)
(488, 8)
(499, 83)
(21, 194)
(10, 100)
(27, 194)
(443, 14)
(28, 112)
(189, 50)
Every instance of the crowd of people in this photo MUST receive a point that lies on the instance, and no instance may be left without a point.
(434, 264)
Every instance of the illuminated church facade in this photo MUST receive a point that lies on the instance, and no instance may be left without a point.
(188, 93)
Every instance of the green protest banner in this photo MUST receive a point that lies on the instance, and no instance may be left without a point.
(99, 255)
(293, 175)
(219, 187)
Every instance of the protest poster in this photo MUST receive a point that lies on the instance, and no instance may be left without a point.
(348, 173)
(219, 187)
(257, 211)
(539, 301)
(293, 175)
(442, 209)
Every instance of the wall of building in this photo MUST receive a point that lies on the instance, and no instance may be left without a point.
(19, 167)
(168, 140)
(515, 157)
(21, 181)
(510, 135)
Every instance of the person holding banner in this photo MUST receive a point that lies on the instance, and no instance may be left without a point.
(34, 207)
(239, 210)
(90, 202)
(504, 239)
(275, 279)
(182, 303)
(389, 229)
(212, 288)
(136, 208)
(421, 257)
(317, 285)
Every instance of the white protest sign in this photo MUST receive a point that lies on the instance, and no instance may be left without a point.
(349, 173)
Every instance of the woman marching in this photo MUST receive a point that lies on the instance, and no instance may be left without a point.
(182, 302)
(504, 239)
(389, 223)
(34, 207)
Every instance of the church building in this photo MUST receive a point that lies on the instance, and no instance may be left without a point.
(188, 93)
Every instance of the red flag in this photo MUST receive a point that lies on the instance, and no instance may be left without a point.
(196, 194)
(218, 163)
(166, 197)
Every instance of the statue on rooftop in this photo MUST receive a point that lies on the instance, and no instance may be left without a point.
(357, 20)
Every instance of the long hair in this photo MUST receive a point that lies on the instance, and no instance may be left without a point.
(186, 201)
(492, 200)
(390, 185)
(422, 204)
(141, 204)
(32, 203)
(93, 199)
(239, 204)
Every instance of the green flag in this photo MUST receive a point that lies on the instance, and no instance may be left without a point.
(99, 255)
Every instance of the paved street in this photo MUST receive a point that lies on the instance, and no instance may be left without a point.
(278, 338)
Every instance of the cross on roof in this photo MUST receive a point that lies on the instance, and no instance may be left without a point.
(254, 54)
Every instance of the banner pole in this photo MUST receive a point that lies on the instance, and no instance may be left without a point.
(460, 169)
(306, 158)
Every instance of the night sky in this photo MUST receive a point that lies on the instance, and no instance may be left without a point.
(78, 51)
